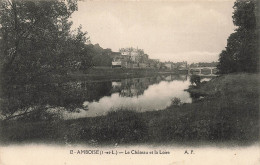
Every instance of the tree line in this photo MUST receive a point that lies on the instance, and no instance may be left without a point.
(37, 41)
(241, 53)
(204, 64)
(38, 45)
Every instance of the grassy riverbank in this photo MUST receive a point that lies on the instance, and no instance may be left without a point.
(228, 113)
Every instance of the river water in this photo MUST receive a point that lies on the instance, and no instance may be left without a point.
(138, 94)
(79, 99)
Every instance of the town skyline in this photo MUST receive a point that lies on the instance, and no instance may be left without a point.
(170, 31)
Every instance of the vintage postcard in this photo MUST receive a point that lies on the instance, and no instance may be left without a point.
(172, 82)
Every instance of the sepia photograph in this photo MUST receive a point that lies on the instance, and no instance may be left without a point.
(171, 82)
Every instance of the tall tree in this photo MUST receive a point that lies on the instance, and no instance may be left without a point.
(36, 44)
(241, 53)
(36, 39)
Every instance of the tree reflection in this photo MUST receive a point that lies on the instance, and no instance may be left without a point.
(137, 86)
(34, 100)
(38, 101)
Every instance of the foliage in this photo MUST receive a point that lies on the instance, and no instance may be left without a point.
(122, 126)
(36, 40)
(176, 101)
(241, 53)
(37, 45)
(195, 80)
(204, 64)
(100, 56)
(34, 100)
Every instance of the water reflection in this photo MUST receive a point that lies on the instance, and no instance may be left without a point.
(91, 98)
(140, 94)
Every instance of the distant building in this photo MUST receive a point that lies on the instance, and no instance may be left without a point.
(120, 60)
(133, 58)
(154, 63)
(144, 58)
(169, 65)
(116, 63)
(136, 55)
(182, 65)
(125, 53)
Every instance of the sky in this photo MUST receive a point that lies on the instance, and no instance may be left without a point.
(193, 31)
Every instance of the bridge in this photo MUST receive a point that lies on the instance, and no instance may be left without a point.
(198, 70)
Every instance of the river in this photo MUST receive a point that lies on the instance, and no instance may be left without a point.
(79, 99)
(138, 94)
